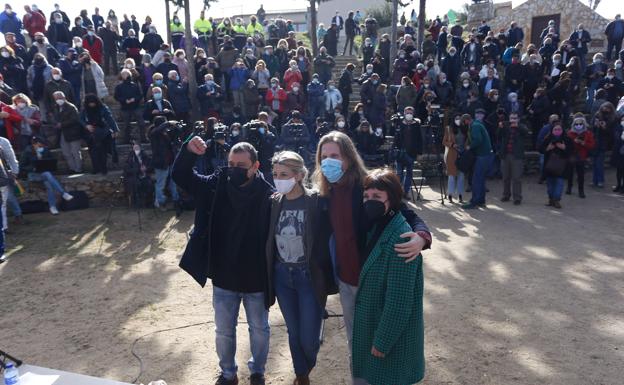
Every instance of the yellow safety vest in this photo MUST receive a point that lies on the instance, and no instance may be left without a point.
(177, 28)
(251, 29)
(239, 29)
(203, 26)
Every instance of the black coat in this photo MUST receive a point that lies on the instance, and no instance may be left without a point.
(202, 258)
(128, 89)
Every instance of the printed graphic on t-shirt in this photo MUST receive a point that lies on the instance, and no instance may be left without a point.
(289, 236)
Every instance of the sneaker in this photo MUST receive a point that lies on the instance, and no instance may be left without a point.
(54, 210)
(556, 204)
(224, 381)
(257, 379)
(3, 258)
(67, 196)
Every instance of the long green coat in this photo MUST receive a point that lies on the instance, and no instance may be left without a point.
(389, 314)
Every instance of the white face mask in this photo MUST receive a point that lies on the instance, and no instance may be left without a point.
(56, 77)
(296, 89)
(378, 131)
(60, 102)
(235, 133)
(5, 54)
(284, 186)
(21, 105)
(457, 122)
(341, 124)
(409, 117)
(137, 152)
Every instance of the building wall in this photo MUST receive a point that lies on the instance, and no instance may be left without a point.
(572, 13)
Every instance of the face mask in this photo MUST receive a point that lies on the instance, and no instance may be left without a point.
(442, 80)
(295, 89)
(21, 105)
(331, 88)
(374, 209)
(378, 131)
(332, 169)
(78, 44)
(457, 122)
(609, 77)
(261, 130)
(157, 96)
(361, 112)
(235, 133)
(556, 62)
(5, 54)
(137, 152)
(466, 84)
(375, 82)
(315, 81)
(597, 61)
(369, 71)
(495, 98)
(60, 102)
(284, 186)
(237, 176)
(340, 124)
(578, 127)
(90, 33)
(409, 117)
(402, 56)
(40, 150)
(274, 85)
(56, 77)
(618, 65)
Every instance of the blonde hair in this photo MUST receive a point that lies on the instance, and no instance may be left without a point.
(260, 63)
(293, 161)
(22, 97)
(355, 169)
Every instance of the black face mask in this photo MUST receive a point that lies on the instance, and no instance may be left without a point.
(374, 209)
(237, 176)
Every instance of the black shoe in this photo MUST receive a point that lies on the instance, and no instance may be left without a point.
(461, 199)
(257, 379)
(517, 202)
(224, 381)
(617, 189)
(569, 191)
(505, 199)
(178, 208)
(582, 194)
(450, 199)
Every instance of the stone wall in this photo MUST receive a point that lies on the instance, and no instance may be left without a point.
(572, 13)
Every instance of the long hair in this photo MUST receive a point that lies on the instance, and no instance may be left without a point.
(355, 169)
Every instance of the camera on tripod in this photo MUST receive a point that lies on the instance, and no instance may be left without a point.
(252, 133)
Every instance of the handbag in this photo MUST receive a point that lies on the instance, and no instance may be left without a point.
(465, 161)
(556, 165)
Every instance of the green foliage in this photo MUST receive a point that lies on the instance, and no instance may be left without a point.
(383, 14)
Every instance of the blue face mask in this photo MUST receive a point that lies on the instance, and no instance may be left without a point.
(40, 150)
(158, 82)
(157, 96)
(332, 169)
(261, 130)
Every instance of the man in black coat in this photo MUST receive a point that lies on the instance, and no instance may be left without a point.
(109, 37)
(157, 106)
(613, 86)
(227, 245)
(451, 65)
(514, 35)
(615, 34)
(579, 40)
(344, 86)
(350, 30)
(129, 95)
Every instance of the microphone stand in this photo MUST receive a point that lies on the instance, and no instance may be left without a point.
(4, 357)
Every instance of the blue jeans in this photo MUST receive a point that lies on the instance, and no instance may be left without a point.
(13, 203)
(52, 185)
(555, 187)
(161, 179)
(226, 306)
(589, 98)
(480, 170)
(1, 237)
(405, 168)
(302, 312)
(456, 184)
(598, 165)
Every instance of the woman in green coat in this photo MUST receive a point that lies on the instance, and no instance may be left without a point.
(388, 330)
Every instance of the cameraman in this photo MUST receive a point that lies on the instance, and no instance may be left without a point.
(295, 135)
(263, 140)
(163, 153)
(219, 151)
(409, 143)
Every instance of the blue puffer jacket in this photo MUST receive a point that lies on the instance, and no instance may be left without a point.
(238, 78)
(315, 91)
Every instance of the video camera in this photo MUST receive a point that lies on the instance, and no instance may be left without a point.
(252, 134)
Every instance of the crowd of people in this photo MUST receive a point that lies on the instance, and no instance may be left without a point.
(270, 109)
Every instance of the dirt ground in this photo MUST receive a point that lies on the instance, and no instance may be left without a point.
(513, 295)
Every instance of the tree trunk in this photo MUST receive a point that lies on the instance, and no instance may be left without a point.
(421, 23)
(188, 47)
(168, 21)
(393, 36)
(312, 32)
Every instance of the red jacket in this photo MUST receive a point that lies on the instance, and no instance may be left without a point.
(10, 121)
(34, 22)
(291, 77)
(280, 98)
(96, 50)
(582, 150)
